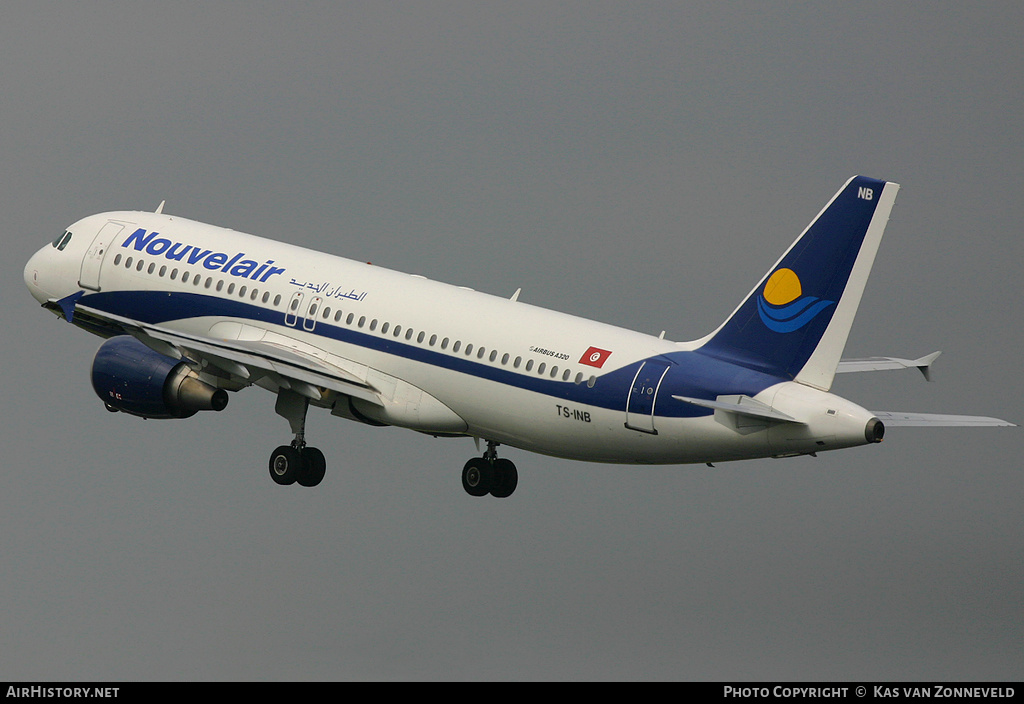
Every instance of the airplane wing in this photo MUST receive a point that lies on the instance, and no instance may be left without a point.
(874, 364)
(248, 354)
(248, 359)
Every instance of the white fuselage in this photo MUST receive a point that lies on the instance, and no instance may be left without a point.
(443, 359)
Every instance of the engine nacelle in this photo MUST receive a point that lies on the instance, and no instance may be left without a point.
(128, 376)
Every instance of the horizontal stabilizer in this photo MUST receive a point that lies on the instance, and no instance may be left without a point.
(898, 418)
(741, 405)
(876, 364)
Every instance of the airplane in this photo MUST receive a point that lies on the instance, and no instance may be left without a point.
(191, 312)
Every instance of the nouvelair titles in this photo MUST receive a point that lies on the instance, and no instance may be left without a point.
(153, 244)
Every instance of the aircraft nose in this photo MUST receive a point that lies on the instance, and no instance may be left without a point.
(33, 278)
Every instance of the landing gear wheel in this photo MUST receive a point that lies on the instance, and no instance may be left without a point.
(314, 466)
(285, 465)
(477, 477)
(506, 478)
(296, 462)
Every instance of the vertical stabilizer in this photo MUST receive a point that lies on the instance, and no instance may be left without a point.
(795, 322)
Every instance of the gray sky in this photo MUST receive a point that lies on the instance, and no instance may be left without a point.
(638, 163)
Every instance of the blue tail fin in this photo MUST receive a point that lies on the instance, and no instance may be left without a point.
(795, 322)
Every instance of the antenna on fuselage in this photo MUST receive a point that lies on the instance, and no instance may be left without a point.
(160, 208)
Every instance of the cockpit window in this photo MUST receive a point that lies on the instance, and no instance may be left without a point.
(61, 242)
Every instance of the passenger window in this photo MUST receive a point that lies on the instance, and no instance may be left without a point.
(117, 260)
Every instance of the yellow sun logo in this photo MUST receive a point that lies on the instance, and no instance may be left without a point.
(783, 287)
(782, 305)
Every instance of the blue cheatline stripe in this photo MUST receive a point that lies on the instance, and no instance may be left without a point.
(691, 374)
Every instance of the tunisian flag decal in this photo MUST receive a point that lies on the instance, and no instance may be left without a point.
(594, 357)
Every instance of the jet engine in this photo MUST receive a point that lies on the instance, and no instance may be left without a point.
(130, 377)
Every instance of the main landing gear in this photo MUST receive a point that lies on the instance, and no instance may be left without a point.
(490, 475)
(306, 466)
(290, 464)
(296, 462)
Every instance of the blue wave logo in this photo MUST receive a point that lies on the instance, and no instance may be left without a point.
(782, 305)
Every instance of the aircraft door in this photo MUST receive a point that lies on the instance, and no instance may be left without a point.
(310, 320)
(643, 395)
(291, 315)
(89, 277)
